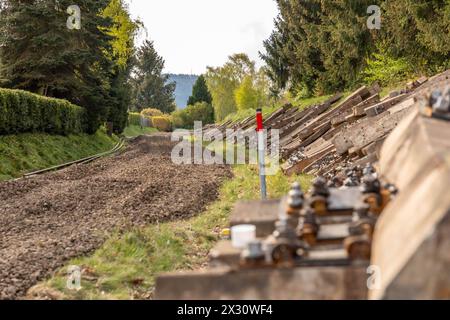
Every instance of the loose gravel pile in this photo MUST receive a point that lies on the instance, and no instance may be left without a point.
(49, 219)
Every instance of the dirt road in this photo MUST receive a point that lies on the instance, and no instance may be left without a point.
(46, 220)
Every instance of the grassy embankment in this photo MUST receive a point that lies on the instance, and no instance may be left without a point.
(22, 153)
(27, 152)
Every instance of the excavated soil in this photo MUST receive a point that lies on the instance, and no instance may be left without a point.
(46, 220)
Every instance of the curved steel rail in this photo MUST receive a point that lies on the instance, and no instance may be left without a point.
(117, 148)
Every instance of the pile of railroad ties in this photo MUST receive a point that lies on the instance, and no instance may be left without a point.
(340, 133)
(320, 244)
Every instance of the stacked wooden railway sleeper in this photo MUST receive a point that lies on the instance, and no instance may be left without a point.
(371, 229)
(337, 133)
(351, 132)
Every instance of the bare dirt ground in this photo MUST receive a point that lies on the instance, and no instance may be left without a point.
(49, 219)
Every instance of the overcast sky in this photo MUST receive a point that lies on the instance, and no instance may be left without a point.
(193, 34)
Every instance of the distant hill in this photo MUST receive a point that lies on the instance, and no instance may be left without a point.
(184, 82)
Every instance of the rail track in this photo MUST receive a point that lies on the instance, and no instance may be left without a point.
(120, 144)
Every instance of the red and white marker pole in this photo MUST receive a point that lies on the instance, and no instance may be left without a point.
(261, 153)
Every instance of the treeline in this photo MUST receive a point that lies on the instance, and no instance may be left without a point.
(97, 66)
(322, 46)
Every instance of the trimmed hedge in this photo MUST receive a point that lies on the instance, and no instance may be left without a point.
(22, 111)
(162, 123)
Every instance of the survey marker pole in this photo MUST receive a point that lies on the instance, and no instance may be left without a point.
(261, 153)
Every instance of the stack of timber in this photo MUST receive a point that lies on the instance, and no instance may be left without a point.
(337, 134)
(352, 133)
(383, 234)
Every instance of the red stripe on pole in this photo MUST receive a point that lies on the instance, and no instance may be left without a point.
(259, 120)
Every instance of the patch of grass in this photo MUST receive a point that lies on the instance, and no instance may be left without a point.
(26, 152)
(394, 87)
(125, 267)
(245, 113)
(134, 131)
(300, 102)
(304, 103)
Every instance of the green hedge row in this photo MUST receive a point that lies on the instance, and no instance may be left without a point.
(22, 111)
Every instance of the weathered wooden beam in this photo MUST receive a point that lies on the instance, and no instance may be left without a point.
(374, 147)
(372, 158)
(298, 167)
(412, 238)
(316, 135)
(262, 214)
(367, 130)
(305, 283)
(359, 110)
(385, 105)
(375, 89)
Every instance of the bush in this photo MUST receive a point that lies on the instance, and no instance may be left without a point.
(22, 111)
(151, 112)
(386, 70)
(201, 111)
(179, 119)
(134, 119)
(162, 123)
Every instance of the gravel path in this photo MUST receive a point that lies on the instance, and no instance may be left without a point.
(49, 219)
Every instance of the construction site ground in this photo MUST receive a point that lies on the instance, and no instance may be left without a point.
(48, 219)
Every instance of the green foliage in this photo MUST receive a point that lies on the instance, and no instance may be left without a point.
(26, 152)
(89, 67)
(22, 111)
(322, 46)
(134, 119)
(179, 119)
(200, 92)
(223, 81)
(122, 31)
(151, 87)
(237, 85)
(245, 113)
(277, 62)
(151, 112)
(385, 69)
(201, 111)
(38, 53)
(246, 95)
(419, 32)
(162, 123)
